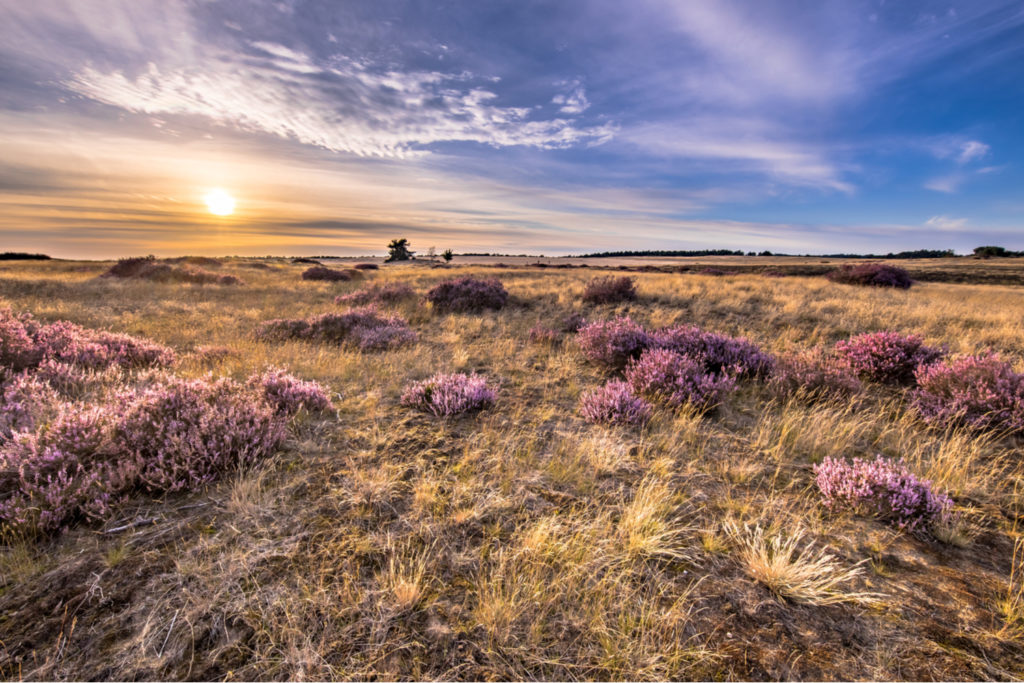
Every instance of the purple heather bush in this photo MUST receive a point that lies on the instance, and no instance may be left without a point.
(612, 343)
(719, 353)
(614, 404)
(329, 274)
(882, 488)
(148, 268)
(468, 295)
(610, 290)
(377, 294)
(871, 275)
(981, 392)
(185, 432)
(669, 377)
(445, 395)
(26, 343)
(888, 357)
(813, 376)
(288, 394)
(363, 327)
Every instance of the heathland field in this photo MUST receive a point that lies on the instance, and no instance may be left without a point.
(638, 499)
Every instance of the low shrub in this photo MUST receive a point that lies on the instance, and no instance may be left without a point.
(148, 268)
(363, 327)
(327, 274)
(981, 392)
(612, 343)
(813, 376)
(882, 488)
(871, 275)
(614, 404)
(377, 294)
(468, 295)
(666, 376)
(25, 400)
(26, 343)
(452, 394)
(610, 290)
(288, 394)
(366, 266)
(184, 432)
(720, 353)
(888, 357)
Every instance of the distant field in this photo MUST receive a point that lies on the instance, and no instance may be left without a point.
(522, 542)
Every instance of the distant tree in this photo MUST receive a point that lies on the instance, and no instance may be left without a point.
(989, 252)
(766, 253)
(431, 253)
(398, 250)
(447, 255)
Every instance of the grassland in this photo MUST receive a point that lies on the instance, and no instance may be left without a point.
(522, 542)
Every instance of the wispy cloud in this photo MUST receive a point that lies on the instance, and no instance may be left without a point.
(946, 223)
(343, 105)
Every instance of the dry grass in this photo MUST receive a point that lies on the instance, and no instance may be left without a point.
(523, 543)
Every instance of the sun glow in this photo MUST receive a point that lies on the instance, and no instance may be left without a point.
(220, 203)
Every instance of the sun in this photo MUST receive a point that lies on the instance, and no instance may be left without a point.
(220, 203)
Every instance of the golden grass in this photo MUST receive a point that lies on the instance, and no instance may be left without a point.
(523, 543)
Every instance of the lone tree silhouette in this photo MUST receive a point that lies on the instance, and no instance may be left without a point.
(398, 250)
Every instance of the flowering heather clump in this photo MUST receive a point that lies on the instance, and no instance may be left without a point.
(610, 290)
(366, 266)
(614, 403)
(883, 488)
(364, 327)
(888, 357)
(289, 394)
(25, 400)
(467, 295)
(327, 274)
(720, 353)
(445, 395)
(612, 343)
(148, 268)
(813, 376)
(25, 343)
(982, 392)
(670, 377)
(383, 294)
(544, 335)
(184, 432)
(871, 275)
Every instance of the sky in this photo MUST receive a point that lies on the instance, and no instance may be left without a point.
(511, 126)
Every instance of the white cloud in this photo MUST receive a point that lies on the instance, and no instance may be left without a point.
(573, 102)
(744, 145)
(971, 151)
(343, 105)
(946, 223)
(947, 183)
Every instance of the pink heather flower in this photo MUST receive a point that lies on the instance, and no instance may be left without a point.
(452, 394)
(664, 375)
(982, 392)
(467, 295)
(612, 343)
(871, 275)
(614, 404)
(25, 400)
(813, 376)
(363, 327)
(888, 357)
(718, 352)
(881, 488)
(289, 394)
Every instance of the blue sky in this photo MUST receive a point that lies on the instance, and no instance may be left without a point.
(541, 127)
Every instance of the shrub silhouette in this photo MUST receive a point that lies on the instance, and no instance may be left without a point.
(871, 275)
(610, 290)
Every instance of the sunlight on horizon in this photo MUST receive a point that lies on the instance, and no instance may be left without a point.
(219, 202)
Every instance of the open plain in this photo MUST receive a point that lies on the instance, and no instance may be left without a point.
(521, 541)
